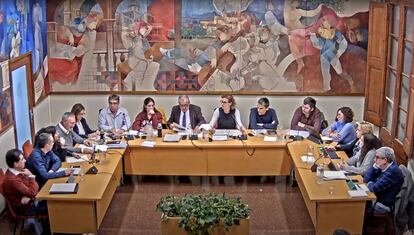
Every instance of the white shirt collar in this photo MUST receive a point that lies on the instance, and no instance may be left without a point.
(63, 128)
(14, 171)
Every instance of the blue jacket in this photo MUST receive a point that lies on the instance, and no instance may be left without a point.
(40, 164)
(386, 185)
(269, 120)
(346, 131)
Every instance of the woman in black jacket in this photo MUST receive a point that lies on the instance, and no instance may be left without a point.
(82, 128)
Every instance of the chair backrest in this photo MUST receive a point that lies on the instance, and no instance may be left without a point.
(8, 205)
(324, 122)
(27, 149)
(2, 176)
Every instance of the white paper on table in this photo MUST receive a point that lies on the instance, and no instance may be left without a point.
(133, 132)
(82, 158)
(304, 134)
(357, 193)
(307, 159)
(149, 144)
(270, 138)
(326, 138)
(219, 137)
(75, 170)
(363, 187)
(334, 175)
(101, 147)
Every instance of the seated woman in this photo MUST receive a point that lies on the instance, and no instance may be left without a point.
(364, 159)
(59, 145)
(227, 116)
(149, 114)
(342, 130)
(361, 129)
(82, 128)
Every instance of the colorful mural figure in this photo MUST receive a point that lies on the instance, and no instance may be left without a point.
(217, 45)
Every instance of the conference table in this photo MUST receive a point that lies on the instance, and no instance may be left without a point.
(329, 204)
(84, 211)
(231, 157)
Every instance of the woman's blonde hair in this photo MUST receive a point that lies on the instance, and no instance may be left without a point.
(365, 127)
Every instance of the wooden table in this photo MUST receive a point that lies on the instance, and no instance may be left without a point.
(199, 158)
(328, 211)
(84, 211)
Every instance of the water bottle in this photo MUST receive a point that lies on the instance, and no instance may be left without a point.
(150, 131)
(319, 173)
(159, 130)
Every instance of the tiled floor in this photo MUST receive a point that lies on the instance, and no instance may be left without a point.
(276, 207)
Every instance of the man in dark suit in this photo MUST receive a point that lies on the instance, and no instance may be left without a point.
(185, 114)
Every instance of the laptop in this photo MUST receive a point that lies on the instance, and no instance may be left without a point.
(315, 137)
(330, 152)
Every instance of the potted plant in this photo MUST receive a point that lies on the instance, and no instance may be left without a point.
(203, 214)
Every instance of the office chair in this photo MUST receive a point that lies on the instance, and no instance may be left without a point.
(27, 149)
(19, 219)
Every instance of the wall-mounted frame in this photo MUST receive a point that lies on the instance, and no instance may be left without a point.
(21, 88)
(6, 116)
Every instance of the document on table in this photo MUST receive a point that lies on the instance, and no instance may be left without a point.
(270, 138)
(149, 144)
(219, 137)
(74, 169)
(357, 193)
(304, 134)
(326, 138)
(63, 188)
(307, 159)
(83, 158)
(334, 175)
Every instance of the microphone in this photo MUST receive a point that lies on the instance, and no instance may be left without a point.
(315, 166)
(123, 120)
(243, 135)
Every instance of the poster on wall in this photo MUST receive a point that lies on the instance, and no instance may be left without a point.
(275, 46)
(21, 25)
(6, 117)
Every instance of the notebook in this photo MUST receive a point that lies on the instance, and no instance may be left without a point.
(63, 188)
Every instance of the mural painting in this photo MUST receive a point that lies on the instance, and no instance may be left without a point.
(21, 25)
(241, 46)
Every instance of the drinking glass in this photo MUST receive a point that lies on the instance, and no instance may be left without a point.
(82, 173)
(310, 154)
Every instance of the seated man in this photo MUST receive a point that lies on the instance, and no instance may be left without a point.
(114, 118)
(307, 117)
(263, 117)
(185, 114)
(20, 186)
(43, 162)
(65, 131)
(384, 179)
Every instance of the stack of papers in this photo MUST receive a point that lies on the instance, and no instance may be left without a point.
(121, 145)
(101, 147)
(63, 188)
(334, 175)
(304, 134)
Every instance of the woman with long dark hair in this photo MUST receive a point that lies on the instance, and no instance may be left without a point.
(81, 127)
(342, 130)
(149, 114)
(364, 159)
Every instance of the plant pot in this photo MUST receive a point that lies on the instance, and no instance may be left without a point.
(170, 227)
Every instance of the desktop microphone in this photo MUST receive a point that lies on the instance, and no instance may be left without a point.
(315, 166)
(243, 136)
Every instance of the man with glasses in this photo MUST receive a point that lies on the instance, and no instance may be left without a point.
(384, 179)
(263, 117)
(307, 117)
(114, 118)
(185, 114)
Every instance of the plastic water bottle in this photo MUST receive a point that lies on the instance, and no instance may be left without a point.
(159, 130)
(150, 131)
(319, 173)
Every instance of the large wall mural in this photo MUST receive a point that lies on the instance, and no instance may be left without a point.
(21, 25)
(248, 46)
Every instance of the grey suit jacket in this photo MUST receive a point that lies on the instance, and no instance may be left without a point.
(71, 138)
(196, 117)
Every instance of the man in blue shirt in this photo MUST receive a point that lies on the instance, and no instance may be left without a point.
(263, 117)
(384, 179)
(43, 163)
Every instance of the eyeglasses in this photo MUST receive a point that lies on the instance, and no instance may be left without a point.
(224, 102)
(379, 157)
(113, 103)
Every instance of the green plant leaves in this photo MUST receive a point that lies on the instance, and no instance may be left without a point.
(199, 214)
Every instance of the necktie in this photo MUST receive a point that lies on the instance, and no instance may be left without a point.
(184, 122)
